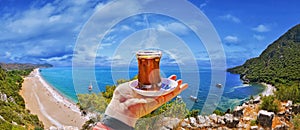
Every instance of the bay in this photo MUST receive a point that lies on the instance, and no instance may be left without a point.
(234, 92)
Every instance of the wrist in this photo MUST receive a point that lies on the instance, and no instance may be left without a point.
(130, 121)
(115, 124)
(101, 126)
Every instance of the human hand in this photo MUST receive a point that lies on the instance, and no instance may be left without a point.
(127, 106)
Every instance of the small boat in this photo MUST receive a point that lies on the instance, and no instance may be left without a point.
(179, 97)
(194, 98)
(90, 87)
(219, 85)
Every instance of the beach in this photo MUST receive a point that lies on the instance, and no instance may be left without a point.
(269, 90)
(52, 108)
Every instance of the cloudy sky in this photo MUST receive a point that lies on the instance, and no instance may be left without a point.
(47, 31)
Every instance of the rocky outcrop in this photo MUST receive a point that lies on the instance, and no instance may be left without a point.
(296, 108)
(242, 118)
(265, 118)
(212, 121)
(281, 127)
(254, 128)
(3, 97)
(170, 123)
(238, 111)
(256, 100)
(289, 104)
(231, 121)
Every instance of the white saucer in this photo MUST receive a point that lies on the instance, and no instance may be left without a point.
(168, 85)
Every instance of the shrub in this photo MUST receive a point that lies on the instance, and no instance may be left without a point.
(251, 97)
(269, 103)
(291, 92)
(193, 113)
(218, 112)
(296, 122)
(253, 122)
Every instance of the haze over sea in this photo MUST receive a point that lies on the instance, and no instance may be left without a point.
(235, 92)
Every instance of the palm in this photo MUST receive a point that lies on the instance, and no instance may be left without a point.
(135, 105)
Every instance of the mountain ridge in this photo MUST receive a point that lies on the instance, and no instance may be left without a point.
(278, 63)
(23, 66)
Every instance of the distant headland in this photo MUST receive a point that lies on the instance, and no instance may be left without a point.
(23, 66)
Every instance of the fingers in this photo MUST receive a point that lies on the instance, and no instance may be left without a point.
(163, 99)
(144, 106)
(183, 86)
(174, 93)
(179, 82)
(173, 77)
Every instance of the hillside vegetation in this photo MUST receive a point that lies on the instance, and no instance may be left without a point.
(278, 64)
(13, 115)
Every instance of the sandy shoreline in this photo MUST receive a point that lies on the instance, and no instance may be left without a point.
(51, 107)
(269, 90)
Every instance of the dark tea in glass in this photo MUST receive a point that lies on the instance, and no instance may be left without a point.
(149, 73)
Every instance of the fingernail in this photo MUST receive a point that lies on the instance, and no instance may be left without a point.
(172, 76)
(179, 81)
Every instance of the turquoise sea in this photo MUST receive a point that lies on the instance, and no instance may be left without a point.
(234, 92)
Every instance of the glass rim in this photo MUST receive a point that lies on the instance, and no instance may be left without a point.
(149, 53)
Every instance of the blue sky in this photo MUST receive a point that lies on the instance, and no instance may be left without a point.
(39, 32)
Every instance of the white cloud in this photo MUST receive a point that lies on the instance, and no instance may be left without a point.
(202, 56)
(116, 57)
(202, 5)
(231, 39)
(54, 18)
(105, 45)
(59, 17)
(7, 54)
(230, 17)
(98, 26)
(258, 37)
(261, 28)
(56, 58)
(110, 14)
(126, 28)
(44, 30)
(177, 27)
(173, 27)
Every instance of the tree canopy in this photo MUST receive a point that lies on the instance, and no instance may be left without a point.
(12, 105)
(279, 63)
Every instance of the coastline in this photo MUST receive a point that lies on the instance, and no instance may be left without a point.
(53, 109)
(269, 90)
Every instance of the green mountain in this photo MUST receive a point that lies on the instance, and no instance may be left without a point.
(279, 63)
